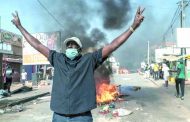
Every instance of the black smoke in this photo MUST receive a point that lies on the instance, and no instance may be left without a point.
(74, 18)
(97, 35)
(115, 13)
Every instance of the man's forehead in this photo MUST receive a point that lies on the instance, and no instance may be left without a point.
(72, 43)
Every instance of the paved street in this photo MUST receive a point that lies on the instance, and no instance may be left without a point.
(158, 103)
(152, 103)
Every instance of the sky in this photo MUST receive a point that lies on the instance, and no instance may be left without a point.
(98, 22)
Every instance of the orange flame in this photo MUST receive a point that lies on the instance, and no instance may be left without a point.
(106, 93)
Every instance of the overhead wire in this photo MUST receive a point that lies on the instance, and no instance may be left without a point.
(46, 9)
(152, 6)
(175, 17)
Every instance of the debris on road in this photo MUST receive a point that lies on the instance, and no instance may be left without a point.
(22, 89)
(24, 100)
(17, 108)
(112, 105)
(13, 109)
(2, 111)
(4, 93)
(126, 90)
(104, 109)
(9, 103)
(138, 109)
(121, 112)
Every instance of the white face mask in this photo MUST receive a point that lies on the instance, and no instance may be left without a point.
(71, 53)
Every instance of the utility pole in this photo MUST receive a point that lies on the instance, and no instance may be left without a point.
(183, 4)
(148, 54)
(182, 24)
(182, 13)
(183, 49)
(1, 62)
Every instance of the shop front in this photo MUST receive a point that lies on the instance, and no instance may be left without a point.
(10, 55)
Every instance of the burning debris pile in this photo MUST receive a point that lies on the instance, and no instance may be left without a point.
(111, 98)
(106, 93)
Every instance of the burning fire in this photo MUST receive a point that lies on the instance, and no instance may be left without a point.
(106, 93)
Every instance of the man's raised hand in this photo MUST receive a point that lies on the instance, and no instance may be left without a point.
(16, 20)
(138, 18)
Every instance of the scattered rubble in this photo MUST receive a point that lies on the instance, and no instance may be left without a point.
(138, 109)
(22, 89)
(43, 83)
(4, 93)
(111, 110)
(2, 111)
(16, 108)
(126, 90)
(13, 109)
(24, 100)
(16, 105)
(112, 105)
(121, 112)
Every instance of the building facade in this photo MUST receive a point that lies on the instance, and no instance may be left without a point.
(10, 55)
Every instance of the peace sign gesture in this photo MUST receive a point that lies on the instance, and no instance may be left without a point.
(138, 18)
(16, 20)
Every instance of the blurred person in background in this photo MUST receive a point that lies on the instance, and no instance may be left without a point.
(166, 74)
(180, 79)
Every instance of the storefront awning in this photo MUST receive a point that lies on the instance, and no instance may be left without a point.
(187, 57)
(18, 60)
(174, 57)
(170, 57)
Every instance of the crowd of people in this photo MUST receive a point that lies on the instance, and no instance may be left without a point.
(165, 71)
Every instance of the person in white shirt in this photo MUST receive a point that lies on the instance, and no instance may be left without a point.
(165, 70)
(23, 77)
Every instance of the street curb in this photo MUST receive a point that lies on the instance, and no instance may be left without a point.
(153, 81)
